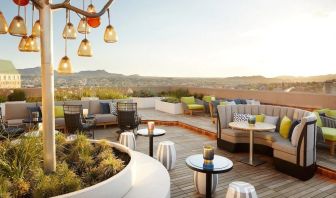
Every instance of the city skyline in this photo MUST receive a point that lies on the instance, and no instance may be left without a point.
(216, 39)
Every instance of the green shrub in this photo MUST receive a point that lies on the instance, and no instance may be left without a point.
(171, 100)
(34, 99)
(178, 93)
(3, 98)
(17, 95)
(199, 96)
(143, 93)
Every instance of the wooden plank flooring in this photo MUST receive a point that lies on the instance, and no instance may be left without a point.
(267, 181)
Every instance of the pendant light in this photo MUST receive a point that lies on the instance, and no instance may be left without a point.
(24, 39)
(85, 48)
(36, 29)
(3, 24)
(83, 28)
(21, 2)
(32, 44)
(69, 31)
(17, 27)
(93, 22)
(110, 35)
(65, 66)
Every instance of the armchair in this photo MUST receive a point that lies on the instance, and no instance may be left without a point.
(326, 132)
(190, 105)
(206, 101)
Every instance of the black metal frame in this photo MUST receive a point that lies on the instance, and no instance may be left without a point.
(128, 118)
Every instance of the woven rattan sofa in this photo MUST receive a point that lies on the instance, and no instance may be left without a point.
(298, 161)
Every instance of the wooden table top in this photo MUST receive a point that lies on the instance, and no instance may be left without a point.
(259, 126)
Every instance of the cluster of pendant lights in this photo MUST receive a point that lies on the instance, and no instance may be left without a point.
(30, 43)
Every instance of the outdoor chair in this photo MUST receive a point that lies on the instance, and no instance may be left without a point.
(326, 131)
(128, 118)
(190, 105)
(74, 121)
(206, 101)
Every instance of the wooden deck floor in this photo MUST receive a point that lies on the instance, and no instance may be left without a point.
(268, 181)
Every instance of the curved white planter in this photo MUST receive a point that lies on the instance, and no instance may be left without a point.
(116, 186)
(172, 108)
(145, 102)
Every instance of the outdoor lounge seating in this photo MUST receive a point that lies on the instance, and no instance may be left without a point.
(326, 129)
(192, 104)
(298, 161)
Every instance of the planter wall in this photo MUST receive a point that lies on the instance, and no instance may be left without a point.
(116, 186)
(171, 108)
(145, 102)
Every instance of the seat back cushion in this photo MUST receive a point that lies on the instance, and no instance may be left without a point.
(188, 100)
(17, 110)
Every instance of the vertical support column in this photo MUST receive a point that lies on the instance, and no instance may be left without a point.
(47, 77)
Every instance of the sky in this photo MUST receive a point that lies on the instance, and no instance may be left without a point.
(194, 38)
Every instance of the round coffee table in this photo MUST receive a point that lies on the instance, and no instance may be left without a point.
(219, 165)
(156, 132)
(245, 126)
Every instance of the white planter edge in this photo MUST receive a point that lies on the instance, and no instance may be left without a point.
(172, 108)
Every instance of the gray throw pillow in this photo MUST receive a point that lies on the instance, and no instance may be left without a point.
(237, 117)
(272, 120)
(113, 108)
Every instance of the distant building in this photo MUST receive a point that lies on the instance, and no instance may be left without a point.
(330, 87)
(9, 76)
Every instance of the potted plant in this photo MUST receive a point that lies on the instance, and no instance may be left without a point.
(169, 105)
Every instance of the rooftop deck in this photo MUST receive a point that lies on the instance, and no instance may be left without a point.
(268, 181)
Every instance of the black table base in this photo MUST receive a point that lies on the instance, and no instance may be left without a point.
(151, 137)
(208, 185)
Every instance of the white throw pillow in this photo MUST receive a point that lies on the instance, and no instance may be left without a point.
(237, 117)
(255, 102)
(113, 108)
(230, 103)
(296, 135)
(272, 120)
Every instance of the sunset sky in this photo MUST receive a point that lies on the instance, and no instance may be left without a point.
(194, 38)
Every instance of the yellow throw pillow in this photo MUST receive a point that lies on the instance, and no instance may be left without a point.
(285, 127)
(59, 112)
(260, 118)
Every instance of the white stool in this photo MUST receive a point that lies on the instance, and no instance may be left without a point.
(241, 189)
(166, 154)
(127, 139)
(200, 182)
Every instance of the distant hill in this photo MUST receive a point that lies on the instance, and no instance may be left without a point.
(36, 71)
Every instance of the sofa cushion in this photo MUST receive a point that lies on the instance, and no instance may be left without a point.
(84, 104)
(284, 145)
(195, 107)
(296, 134)
(331, 114)
(237, 117)
(105, 118)
(188, 100)
(94, 107)
(271, 120)
(329, 133)
(208, 98)
(285, 126)
(17, 110)
(59, 112)
(59, 122)
(14, 122)
(318, 119)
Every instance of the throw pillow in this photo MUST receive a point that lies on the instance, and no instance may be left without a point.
(237, 117)
(230, 103)
(293, 125)
(237, 101)
(59, 112)
(104, 108)
(113, 108)
(260, 118)
(296, 135)
(243, 101)
(272, 120)
(285, 127)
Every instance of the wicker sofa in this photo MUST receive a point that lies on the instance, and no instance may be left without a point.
(15, 113)
(298, 161)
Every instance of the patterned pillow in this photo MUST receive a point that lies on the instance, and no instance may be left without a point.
(113, 108)
(237, 117)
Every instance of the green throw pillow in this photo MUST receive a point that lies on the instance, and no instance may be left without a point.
(188, 100)
(331, 113)
(260, 118)
(318, 119)
(285, 127)
(223, 103)
(207, 98)
(59, 112)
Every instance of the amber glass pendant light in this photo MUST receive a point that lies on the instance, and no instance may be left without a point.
(24, 39)
(3, 24)
(83, 27)
(85, 48)
(65, 66)
(69, 31)
(110, 35)
(36, 29)
(93, 22)
(32, 44)
(17, 27)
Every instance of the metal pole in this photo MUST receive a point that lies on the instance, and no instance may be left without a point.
(47, 76)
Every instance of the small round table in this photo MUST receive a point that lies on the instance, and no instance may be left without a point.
(245, 126)
(219, 165)
(156, 132)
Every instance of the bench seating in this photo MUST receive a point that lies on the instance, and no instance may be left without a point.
(298, 161)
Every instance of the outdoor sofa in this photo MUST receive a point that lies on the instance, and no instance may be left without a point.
(15, 113)
(298, 161)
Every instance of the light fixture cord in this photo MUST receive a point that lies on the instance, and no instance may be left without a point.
(25, 15)
(108, 15)
(66, 35)
(32, 16)
(19, 10)
(85, 20)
